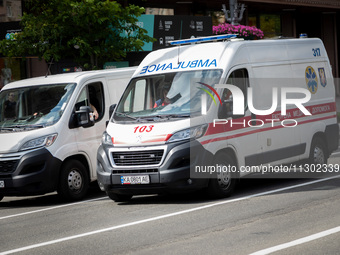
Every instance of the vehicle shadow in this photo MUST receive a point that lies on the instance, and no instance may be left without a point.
(245, 187)
(249, 186)
(50, 199)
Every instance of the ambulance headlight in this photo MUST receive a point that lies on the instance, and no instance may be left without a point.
(190, 133)
(107, 139)
(43, 141)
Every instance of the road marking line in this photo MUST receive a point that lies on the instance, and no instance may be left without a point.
(25, 248)
(50, 208)
(335, 153)
(297, 241)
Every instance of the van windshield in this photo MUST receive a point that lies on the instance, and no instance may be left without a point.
(166, 96)
(33, 107)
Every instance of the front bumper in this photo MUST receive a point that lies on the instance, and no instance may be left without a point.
(29, 173)
(172, 174)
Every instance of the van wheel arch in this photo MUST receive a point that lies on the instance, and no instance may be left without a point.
(82, 159)
(227, 151)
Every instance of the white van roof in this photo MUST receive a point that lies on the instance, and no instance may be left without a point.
(230, 53)
(74, 77)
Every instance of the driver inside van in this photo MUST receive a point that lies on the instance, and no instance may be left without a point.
(10, 105)
(94, 103)
(164, 100)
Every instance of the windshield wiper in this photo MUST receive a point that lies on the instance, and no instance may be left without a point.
(6, 129)
(164, 117)
(178, 116)
(23, 127)
(126, 115)
(34, 116)
(30, 117)
(152, 117)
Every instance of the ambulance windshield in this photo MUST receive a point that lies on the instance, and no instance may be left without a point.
(33, 107)
(168, 95)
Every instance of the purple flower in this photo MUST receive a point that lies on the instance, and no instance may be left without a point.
(245, 31)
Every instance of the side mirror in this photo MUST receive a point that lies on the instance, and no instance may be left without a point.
(226, 110)
(111, 109)
(85, 116)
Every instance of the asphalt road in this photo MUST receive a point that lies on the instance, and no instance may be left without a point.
(284, 216)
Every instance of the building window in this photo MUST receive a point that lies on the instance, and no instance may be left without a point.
(9, 11)
(270, 24)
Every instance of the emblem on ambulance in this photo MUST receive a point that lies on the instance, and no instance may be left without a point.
(322, 76)
(138, 139)
(311, 79)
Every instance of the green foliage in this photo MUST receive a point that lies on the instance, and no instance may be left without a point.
(90, 32)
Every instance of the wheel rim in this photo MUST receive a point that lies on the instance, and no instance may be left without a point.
(319, 157)
(75, 181)
(224, 178)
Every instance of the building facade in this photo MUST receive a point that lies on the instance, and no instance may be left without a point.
(286, 18)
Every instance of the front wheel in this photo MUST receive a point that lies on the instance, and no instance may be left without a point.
(223, 183)
(74, 181)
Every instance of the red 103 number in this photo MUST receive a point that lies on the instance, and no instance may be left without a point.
(142, 129)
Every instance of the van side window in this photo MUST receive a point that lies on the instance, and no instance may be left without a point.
(92, 95)
(240, 79)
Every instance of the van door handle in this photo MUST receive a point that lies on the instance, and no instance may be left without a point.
(253, 117)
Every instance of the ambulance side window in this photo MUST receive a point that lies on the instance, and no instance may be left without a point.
(139, 97)
(139, 103)
(240, 79)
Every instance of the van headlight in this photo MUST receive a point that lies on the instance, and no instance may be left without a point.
(43, 141)
(189, 133)
(107, 139)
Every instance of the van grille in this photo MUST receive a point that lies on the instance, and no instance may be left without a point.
(8, 166)
(137, 158)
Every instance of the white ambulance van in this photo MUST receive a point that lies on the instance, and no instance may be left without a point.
(50, 130)
(202, 114)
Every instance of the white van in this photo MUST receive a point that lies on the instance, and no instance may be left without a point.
(50, 130)
(179, 126)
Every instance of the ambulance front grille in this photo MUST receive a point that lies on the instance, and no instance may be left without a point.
(137, 158)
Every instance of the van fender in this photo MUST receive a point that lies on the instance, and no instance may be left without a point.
(69, 151)
(307, 136)
(231, 152)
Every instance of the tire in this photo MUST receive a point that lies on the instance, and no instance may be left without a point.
(318, 152)
(223, 184)
(119, 197)
(74, 181)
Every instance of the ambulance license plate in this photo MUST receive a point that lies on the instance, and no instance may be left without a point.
(135, 179)
(2, 184)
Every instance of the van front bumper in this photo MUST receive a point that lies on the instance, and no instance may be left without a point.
(28, 173)
(172, 175)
